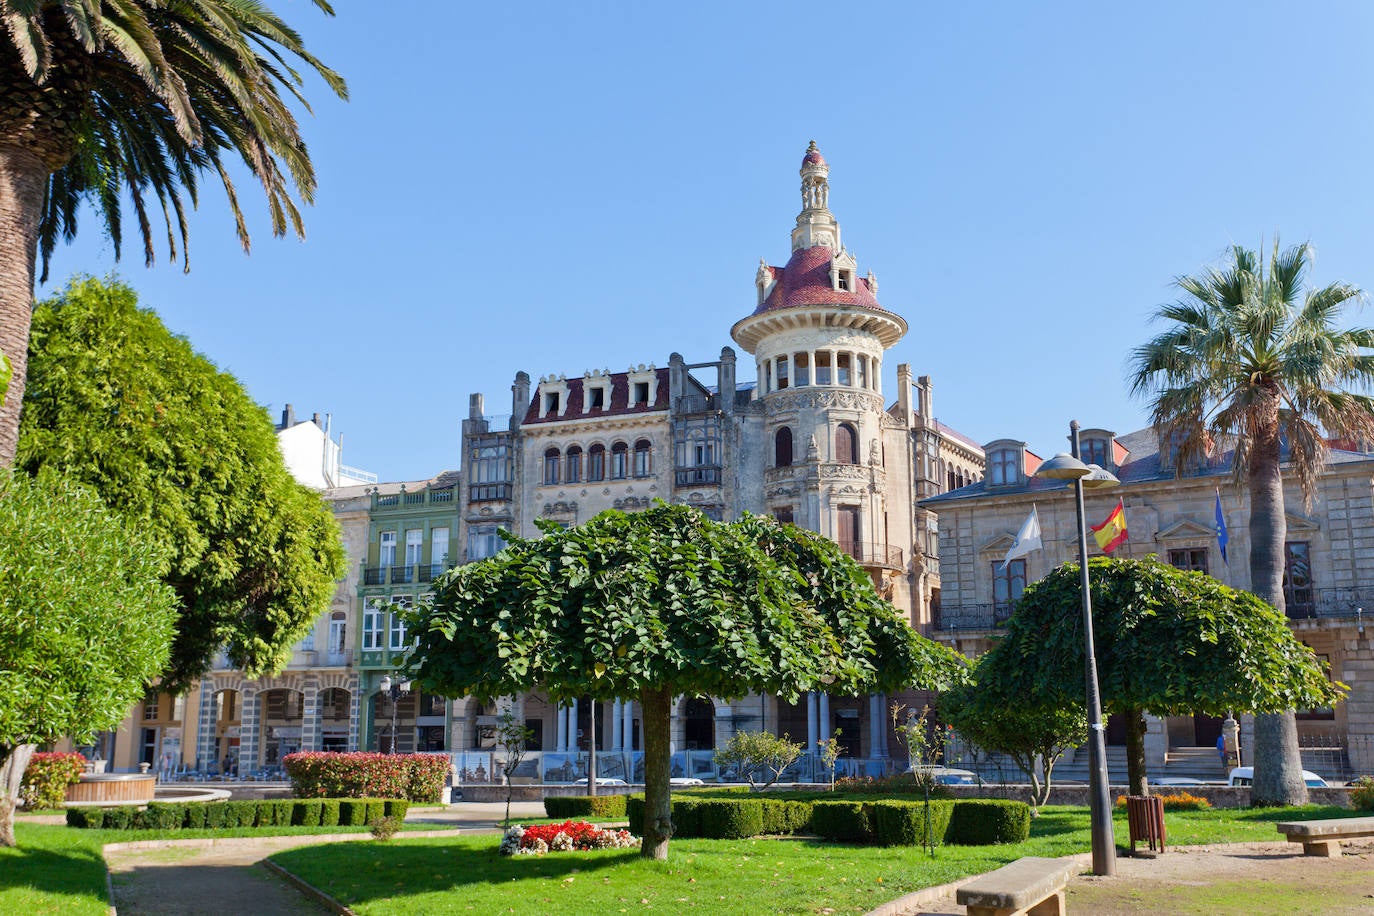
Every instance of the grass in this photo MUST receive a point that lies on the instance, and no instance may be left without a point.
(466, 875)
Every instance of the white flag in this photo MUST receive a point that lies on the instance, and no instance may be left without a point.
(1027, 539)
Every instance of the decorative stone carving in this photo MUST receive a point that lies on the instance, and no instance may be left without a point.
(817, 399)
(845, 472)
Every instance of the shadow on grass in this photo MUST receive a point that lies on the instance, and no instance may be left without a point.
(68, 870)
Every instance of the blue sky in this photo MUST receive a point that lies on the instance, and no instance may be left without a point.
(557, 188)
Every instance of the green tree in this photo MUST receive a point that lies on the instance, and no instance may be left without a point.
(1034, 737)
(513, 738)
(662, 603)
(1167, 642)
(748, 753)
(137, 99)
(120, 404)
(85, 620)
(1254, 361)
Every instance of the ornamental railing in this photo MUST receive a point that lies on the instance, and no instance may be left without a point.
(1306, 603)
(973, 616)
(873, 554)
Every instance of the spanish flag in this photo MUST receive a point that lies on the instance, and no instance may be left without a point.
(1111, 532)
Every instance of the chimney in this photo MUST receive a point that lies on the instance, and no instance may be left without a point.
(904, 393)
(288, 417)
(725, 380)
(925, 405)
(520, 397)
(315, 418)
(476, 405)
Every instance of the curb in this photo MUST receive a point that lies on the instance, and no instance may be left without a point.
(308, 889)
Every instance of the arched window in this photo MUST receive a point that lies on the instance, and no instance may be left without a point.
(846, 444)
(642, 458)
(620, 460)
(338, 634)
(596, 463)
(573, 465)
(551, 457)
(782, 448)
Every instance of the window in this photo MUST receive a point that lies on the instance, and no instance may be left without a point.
(573, 465)
(782, 448)
(438, 546)
(1004, 467)
(861, 371)
(398, 624)
(802, 364)
(782, 372)
(372, 626)
(551, 466)
(641, 394)
(1297, 579)
(642, 458)
(387, 556)
(415, 540)
(150, 705)
(783, 514)
(1189, 559)
(846, 444)
(489, 460)
(620, 460)
(338, 632)
(842, 280)
(1008, 582)
(483, 542)
(1094, 451)
(823, 368)
(598, 398)
(596, 469)
(842, 369)
(551, 403)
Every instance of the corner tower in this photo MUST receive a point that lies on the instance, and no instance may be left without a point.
(818, 335)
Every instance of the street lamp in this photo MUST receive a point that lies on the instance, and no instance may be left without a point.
(395, 691)
(1069, 467)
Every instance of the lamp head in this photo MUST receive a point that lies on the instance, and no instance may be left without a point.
(1062, 467)
(1099, 478)
(385, 683)
(405, 685)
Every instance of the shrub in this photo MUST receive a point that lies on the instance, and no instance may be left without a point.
(374, 811)
(45, 780)
(634, 813)
(161, 816)
(214, 815)
(325, 774)
(843, 821)
(397, 807)
(88, 818)
(784, 818)
(386, 828)
(984, 822)
(1362, 793)
(570, 806)
(898, 784)
(119, 818)
(329, 812)
(361, 812)
(687, 817)
(306, 812)
(728, 819)
(194, 816)
(911, 823)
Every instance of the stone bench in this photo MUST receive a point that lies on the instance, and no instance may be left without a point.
(1031, 886)
(1323, 838)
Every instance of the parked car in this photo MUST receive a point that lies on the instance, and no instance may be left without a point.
(1179, 781)
(682, 782)
(1244, 776)
(602, 781)
(948, 776)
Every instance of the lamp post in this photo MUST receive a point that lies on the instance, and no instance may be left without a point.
(1069, 467)
(395, 691)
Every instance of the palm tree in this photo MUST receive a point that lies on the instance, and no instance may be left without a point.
(103, 101)
(1255, 362)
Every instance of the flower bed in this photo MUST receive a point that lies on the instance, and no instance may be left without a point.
(47, 777)
(568, 836)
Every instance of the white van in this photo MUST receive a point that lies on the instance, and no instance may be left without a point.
(1244, 776)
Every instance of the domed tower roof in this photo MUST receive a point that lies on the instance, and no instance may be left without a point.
(821, 272)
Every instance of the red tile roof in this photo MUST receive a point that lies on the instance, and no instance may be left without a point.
(619, 404)
(806, 281)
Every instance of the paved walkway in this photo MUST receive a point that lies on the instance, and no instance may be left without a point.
(226, 877)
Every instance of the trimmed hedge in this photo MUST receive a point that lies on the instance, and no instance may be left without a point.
(911, 823)
(303, 812)
(985, 822)
(328, 774)
(843, 821)
(728, 819)
(784, 818)
(574, 806)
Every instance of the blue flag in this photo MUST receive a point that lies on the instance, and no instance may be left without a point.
(1221, 530)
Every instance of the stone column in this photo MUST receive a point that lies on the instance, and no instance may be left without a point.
(878, 727)
(812, 721)
(627, 728)
(206, 746)
(560, 728)
(310, 716)
(825, 729)
(572, 726)
(616, 720)
(354, 711)
(248, 732)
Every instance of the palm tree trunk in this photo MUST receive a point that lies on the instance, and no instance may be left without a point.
(1277, 762)
(658, 808)
(23, 182)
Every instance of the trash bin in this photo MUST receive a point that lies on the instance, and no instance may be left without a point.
(1145, 818)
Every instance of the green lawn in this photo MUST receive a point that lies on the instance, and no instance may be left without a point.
(466, 875)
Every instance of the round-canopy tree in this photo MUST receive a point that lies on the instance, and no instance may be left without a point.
(1167, 642)
(85, 620)
(119, 403)
(137, 99)
(667, 602)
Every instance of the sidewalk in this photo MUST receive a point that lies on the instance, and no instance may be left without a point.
(226, 877)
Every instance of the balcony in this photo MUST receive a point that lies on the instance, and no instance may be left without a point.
(428, 572)
(694, 403)
(488, 492)
(1309, 603)
(702, 476)
(403, 575)
(973, 616)
(873, 554)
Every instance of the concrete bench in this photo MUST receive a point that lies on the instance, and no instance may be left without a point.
(1031, 886)
(1323, 838)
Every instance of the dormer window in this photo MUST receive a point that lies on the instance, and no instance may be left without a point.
(1004, 467)
(641, 394)
(1094, 451)
(551, 404)
(598, 399)
(842, 281)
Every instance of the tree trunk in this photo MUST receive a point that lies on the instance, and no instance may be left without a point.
(658, 808)
(1278, 765)
(23, 181)
(1135, 752)
(12, 768)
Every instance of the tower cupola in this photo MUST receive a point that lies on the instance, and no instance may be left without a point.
(816, 225)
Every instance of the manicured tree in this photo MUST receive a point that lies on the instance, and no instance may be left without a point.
(85, 620)
(749, 752)
(1253, 361)
(119, 403)
(512, 737)
(1033, 737)
(662, 603)
(137, 99)
(1168, 642)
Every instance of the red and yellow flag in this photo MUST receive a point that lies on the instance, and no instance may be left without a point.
(1112, 532)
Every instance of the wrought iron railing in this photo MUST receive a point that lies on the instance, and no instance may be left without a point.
(1328, 602)
(698, 476)
(973, 616)
(695, 403)
(873, 554)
